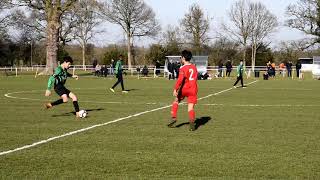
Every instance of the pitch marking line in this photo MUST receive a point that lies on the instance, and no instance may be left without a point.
(9, 95)
(99, 125)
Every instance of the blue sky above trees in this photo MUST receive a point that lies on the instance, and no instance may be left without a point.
(170, 12)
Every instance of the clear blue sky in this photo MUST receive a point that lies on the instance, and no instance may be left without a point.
(172, 11)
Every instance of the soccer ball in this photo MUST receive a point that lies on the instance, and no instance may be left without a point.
(83, 113)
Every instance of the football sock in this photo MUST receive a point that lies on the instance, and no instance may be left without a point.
(76, 106)
(192, 116)
(57, 102)
(174, 110)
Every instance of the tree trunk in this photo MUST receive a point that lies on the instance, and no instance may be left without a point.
(197, 44)
(244, 55)
(253, 57)
(129, 50)
(84, 56)
(52, 47)
(244, 52)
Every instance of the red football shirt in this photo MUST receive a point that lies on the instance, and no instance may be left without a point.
(187, 80)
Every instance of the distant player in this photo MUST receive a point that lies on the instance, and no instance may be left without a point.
(186, 86)
(118, 72)
(240, 70)
(57, 80)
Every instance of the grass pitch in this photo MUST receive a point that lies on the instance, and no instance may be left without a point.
(269, 130)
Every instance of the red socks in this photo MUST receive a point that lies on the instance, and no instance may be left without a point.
(174, 110)
(192, 116)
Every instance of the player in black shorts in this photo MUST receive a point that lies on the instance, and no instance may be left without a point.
(58, 79)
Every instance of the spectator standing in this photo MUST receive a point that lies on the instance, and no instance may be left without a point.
(145, 71)
(94, 64)
(229, 68)
(289, 68)
(158, 65)
(97, 70)
(273, 69)
(176, 69)
(171, 70)
(220, 67)
(281, 68)
(112, 66)
(298, 68)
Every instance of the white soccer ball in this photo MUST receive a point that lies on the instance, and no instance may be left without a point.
(83, 113)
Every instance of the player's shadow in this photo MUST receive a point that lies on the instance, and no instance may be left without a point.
(132, 89)
(199, 122)
(74, 113)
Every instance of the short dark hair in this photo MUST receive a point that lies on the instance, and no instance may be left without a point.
(186, 54)
(120, 56)
(67, 59)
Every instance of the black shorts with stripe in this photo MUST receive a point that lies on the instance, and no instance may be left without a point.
(61, 90)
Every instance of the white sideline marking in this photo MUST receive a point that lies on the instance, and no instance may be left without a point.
(99, 125)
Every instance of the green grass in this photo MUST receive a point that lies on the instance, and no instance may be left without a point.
(269, 130)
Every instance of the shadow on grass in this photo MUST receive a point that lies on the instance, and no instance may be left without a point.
(74, 113)
(199, 122)
(132, 89)
(86, 74)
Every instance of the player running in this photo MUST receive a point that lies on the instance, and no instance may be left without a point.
(186, 86)
(58, 79)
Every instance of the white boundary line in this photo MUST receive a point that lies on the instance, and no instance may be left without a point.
(99, 125)
(9, 95)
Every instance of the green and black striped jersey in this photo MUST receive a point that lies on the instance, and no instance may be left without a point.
(59, 77)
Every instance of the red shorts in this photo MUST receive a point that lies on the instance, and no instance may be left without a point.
(191, 95)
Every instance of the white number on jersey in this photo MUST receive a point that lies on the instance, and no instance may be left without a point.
(191, 74)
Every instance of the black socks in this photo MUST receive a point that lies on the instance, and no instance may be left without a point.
(60, 101)
(57, 102)
(76, 106)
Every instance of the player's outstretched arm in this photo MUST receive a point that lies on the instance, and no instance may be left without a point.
(49, 86)
(48, 93)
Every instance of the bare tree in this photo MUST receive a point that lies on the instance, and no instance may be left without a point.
(172, 40)
(263, 23)
(305, 16)
(52, 11)
(68, 24)
(197, 25)
(241, 19)
(134, 16)
(288, 50)
(302, 44)
(223, 49)
(4, 17)
(171, 35)
(86, 20)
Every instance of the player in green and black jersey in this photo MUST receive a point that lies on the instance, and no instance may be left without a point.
(57, 80)
(118, 72)
(240, 70)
